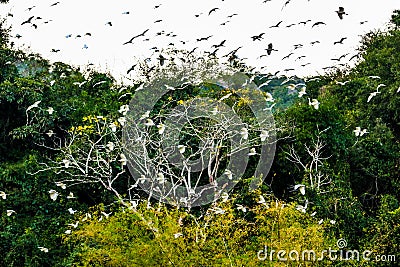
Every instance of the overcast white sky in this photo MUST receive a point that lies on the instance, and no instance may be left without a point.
(106, 51)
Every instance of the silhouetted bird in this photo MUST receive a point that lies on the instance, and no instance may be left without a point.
(277, 25)
(56, 3)
(341, 12)
(270, 49)
(28, 20)
(213, 10)
(136, 36)
(318, 23)
(340, 41)
(258, 37)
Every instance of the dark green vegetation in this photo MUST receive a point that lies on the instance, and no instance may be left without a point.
(362, 198)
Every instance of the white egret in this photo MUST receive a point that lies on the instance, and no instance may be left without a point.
(123, 109)
(214, 111)
(241, 207)
(224, 196)
(229, 174)
(110, 146)
(359, 132)
(181, 149)
(161, 128)
(315, 103)
(71, 195)
(50, 133)
(149, 122)
(160, 178)
(43, 249)
(178, 235)
(71, 211)
(68, 232)
(252, 151)
(53, 194)
(3, 195)
(10, 212)
(301, 188)
(261, 200)
(60, 184)
(263, 135)
(106, 214)
(321, 221)
(244, 133)
(218, 210)
(269, 97)
(34, 105)
(113, 127)
(74, 224)
(66, 163)
(121, 120)
(50, 110)
(332, 221)
(123, 159)
(302, 91)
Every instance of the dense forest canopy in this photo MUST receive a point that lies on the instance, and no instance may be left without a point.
(335, 173)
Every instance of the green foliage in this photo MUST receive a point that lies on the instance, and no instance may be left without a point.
(161, 236)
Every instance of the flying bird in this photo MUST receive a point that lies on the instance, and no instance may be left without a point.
(28, 20)
(258, 37)
(340, 41)
(318, 23)
(341, 12)
(277, 25)
(136, 36)
(285, 57)
(56, 3)
(219, 45)
(213, 10)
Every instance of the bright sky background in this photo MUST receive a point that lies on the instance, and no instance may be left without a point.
(106, 51)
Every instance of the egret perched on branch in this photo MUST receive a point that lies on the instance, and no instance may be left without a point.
(263, 135)
(161, 128)
(53, 194)
(66, 162)
(229, 174)
(314, 103)
(301, 188)
(359, 132)
(181, 149)
(149, 122)
(10, 212)
(43, 249)
(62, 185)
(123, 159)
(244, 133)
(3, 195)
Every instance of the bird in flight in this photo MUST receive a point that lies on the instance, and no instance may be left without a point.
(203, 38)
(219, 45)
(136, 36)
(258, 37)
(318, 23)
(213, 10)
(56, 3)
(270, 49)
(285, 57)
(28, 20)
(276, 25)
(341, 12)
(340, 41)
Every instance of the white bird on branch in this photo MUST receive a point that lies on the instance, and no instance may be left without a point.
(10, 212)
(3, 195)
(161, 128)
(314, 103)
(229, 174)
(301, 188)
(263, 135)
(53, 194)
(43, 249)
(359, 132)
(181, 149)
(60, 184)
(244, 133)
